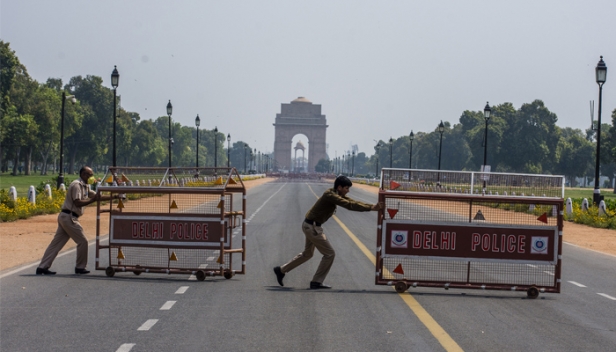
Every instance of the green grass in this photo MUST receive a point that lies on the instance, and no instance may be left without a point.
(587, 193)
(22, 183)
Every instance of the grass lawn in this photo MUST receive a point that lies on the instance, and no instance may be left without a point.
(577, 192)
(22, 183)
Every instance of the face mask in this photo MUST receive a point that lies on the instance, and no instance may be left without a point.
(91, 180)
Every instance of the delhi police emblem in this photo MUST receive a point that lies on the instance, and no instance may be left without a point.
(399, 239)
(539, 245)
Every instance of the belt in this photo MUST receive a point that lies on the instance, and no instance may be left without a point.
(312, 222)
(66, 211)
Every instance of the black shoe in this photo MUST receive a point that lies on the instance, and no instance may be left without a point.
(41, 271)
(81, 271)
(279, 275)
(317, 285)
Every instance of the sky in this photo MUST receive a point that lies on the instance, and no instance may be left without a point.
(379, 69)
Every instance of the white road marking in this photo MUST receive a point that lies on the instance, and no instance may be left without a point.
(126, 347)
(209, 259)
(549, 273)
(607, 296)
(577, 284)
(531, 265)
(167, 305)
(182, 290)
(147, 325)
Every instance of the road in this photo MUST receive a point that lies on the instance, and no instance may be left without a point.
(155, 312)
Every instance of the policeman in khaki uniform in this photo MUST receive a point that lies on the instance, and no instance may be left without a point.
(320, 212)
(78, 196)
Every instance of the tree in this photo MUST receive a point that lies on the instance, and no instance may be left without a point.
(322, 166)
(530, 139)
(93, 137)
(575, 154)
(148, 147)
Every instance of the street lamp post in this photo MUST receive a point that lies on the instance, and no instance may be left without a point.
(376, 149)
(215, 149)
(245, 147)
(391, 152)
(353, 165)
(169, 111)
(601, 75)
(197, 123)
(61, 174)
(115, 78)
(228, 149)
(486, 114)
(441, 129)
(411, 137)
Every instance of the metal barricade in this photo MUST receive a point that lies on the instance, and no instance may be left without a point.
(172, 220)
(444, 234)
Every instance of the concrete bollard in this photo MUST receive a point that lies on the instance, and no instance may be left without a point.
(602, 211)
(13, 193)
(32, 195)
(585, 205)
(569, 207)
(48, 190)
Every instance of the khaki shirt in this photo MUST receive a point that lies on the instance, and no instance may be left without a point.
(77, 190)
(325, 207)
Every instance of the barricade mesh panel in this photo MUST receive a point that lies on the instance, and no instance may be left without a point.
(160, 203)
(524, 212)
(192, 259)
(450, 271)
(172, 177)
(461, 182)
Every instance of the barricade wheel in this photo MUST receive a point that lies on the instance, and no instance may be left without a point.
(137, 272)
(228, 274)
(200, 275)
(532, 292)
(401, 286)
(109, 271)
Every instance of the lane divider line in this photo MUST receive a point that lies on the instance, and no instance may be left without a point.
(167, 305)
(126, 347)
(435, 329)
(577, 284)
(147, 325)
(182, 290)
(607, 296)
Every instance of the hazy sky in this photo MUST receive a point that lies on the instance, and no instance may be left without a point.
(379, 69)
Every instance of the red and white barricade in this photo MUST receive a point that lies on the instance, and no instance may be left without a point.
(470, 230)
(174, 221)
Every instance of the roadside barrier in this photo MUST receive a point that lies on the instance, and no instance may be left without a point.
(172, 220)
(444, 229)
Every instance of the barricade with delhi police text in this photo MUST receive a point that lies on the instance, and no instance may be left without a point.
(454, 229)
(173, 221)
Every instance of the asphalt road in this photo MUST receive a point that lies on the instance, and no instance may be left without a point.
(154, 312)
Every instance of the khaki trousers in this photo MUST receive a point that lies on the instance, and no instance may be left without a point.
(68, 227)
(315, 238)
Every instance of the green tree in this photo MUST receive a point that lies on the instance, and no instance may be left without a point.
(148, 147)
(575, 154)
(530, 139)
(322, 166)
(92, 139)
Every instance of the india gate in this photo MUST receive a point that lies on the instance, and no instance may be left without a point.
(300, 116)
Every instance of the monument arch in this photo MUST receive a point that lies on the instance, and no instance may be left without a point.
(300, 116)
